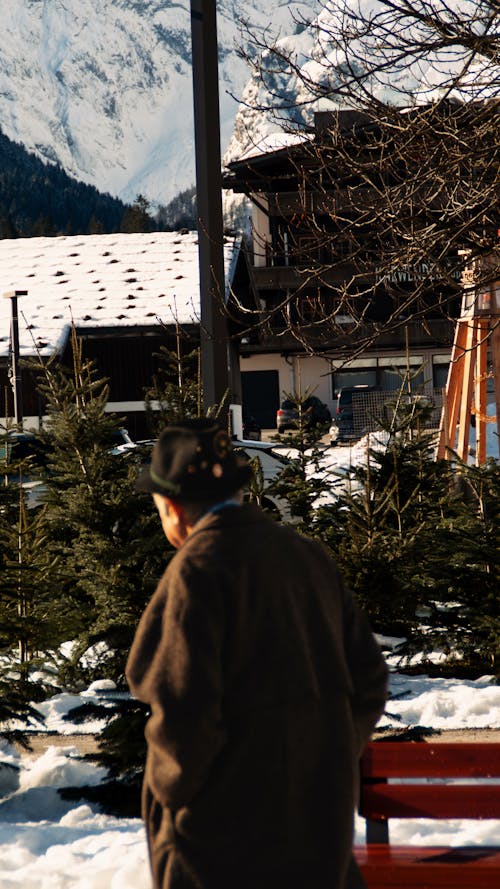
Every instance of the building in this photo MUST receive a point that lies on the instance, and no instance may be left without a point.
(308, 279)
(127, 295)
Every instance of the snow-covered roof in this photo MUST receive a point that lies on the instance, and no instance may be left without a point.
(274, 142)
(99, 281)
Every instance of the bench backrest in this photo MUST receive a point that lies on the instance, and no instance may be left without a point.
(385, 766)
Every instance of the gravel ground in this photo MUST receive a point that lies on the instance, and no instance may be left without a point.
(88, 743)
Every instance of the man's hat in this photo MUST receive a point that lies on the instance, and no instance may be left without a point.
(194, 459)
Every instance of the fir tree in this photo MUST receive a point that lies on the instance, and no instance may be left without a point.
(462, 574)
(112, 548)
(175, 392)
(30, 614)
(302, 481)
(421, 557)
(136, 218)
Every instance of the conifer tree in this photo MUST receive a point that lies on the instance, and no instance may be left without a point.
(302, 481)
(462, 574)
(417, 542)
(111, 547)
(175, 390)
(136, 217)
(31, 615)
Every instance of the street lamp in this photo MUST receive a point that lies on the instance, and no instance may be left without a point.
(13, 295)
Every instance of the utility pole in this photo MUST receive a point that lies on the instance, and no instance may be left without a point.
(215, 370)
(13, 295)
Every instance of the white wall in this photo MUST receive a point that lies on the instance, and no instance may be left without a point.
(299, 373)
(296, 374)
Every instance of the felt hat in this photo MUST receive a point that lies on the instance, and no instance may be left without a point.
(194, 459)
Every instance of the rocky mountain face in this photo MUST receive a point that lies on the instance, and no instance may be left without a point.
(392, 52)
(105, 88)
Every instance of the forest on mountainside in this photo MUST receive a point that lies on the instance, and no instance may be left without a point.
(37, 198)
(40, 199)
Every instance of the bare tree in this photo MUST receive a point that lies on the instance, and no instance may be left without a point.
(397, 180)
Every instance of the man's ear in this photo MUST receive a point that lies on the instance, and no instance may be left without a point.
(176, 513)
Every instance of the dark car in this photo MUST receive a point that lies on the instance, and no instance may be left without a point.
(251, 429)
(342, 428)
(19, 446)
(314, 413)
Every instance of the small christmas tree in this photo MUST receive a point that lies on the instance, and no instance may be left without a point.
(303, 480)
(417, 541)
(30, 620)
(175, 392)
(111, 547)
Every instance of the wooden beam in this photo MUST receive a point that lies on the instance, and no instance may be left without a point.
(469, 361)
(451, 401)
(480, 402)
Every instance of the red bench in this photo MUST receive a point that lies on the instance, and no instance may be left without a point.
(384, 795)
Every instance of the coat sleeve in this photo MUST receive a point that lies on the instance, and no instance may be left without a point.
(367, 668)
(175, 666)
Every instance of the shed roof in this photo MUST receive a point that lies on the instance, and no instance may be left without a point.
(107, 281)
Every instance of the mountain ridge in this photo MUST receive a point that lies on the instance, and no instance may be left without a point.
(105, 90)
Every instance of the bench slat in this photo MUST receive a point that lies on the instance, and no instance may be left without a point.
(425, 867)
(430, 801)
(417, 759)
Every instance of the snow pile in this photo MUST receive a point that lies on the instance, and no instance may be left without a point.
(51, 843)
(442, 703)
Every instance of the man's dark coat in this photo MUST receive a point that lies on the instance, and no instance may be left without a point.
(264, 683)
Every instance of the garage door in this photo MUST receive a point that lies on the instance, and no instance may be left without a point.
(260, 396)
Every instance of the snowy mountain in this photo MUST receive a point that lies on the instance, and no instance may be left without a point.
(105, 89)
(396, 57)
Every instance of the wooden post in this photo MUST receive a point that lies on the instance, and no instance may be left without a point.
(495, 348)
(454, 383)
(14, 343)
(467, 389)
(480, 402)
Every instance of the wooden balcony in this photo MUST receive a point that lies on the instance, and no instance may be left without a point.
(343, 338)
(282, 277)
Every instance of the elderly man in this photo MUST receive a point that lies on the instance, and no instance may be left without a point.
(264, 683)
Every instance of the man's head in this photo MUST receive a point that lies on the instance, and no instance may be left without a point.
(193, 465)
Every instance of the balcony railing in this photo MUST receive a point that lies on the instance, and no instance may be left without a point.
(283, 277)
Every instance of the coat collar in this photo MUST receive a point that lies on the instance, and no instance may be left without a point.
(219, 519)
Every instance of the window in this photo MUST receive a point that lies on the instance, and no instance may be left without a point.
(346, 378)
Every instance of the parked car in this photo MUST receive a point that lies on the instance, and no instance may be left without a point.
(314, 412)
(272, 462)
(342, 427)
(17, 446)
(251, 429)
(26, 449)
(35, 454)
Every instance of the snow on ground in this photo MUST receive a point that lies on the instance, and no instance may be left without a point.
(50, 843)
